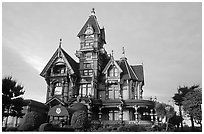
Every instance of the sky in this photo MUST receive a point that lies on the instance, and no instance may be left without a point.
(165, 37)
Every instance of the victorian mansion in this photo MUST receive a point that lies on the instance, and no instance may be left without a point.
(112, 89)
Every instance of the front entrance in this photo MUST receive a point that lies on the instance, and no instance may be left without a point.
(58, 116)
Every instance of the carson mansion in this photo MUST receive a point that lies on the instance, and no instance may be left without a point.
(111, 89)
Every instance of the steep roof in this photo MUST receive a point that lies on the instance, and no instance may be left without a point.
(93, 22)
(68, 60)
(127, 73)
(110, 63)
(138, 69)
(72, 62)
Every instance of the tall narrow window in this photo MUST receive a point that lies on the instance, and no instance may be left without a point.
(113, 92)
(86, 90)
(113, 71)
(58, 89)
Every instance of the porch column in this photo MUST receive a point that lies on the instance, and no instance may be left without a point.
(136, 90)
(155, 115)
(136, 113)
(120, 112)
(151, 115)
(99, 113)
(89, 112)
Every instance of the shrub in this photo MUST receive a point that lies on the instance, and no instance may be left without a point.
(11, 129)
(79, 120)
(45, 127)
(131, 128)
(124, 129)
(103, 129)
(31, 121)
(137, 128)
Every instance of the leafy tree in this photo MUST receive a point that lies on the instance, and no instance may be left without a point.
(192, 105)
(11, 91)
(79, 120)
(17, 108)
(179, 98)
(163, 110)
(160, 110)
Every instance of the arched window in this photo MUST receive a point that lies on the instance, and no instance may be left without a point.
(59, 68)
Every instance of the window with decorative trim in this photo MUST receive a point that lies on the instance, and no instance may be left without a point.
(113, 71)
(58, 88)
(113, 92)
(85, 90)
(113, 115)
(59, 68)
(88, 72)
(88, 55)
(88, 65)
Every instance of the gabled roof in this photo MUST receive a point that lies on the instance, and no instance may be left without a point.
(138, 69)
(93, 22)
(71, 63)
(110, 63)
(127, 73)
(55, 99)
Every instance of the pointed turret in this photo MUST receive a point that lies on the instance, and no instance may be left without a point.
(91, 22)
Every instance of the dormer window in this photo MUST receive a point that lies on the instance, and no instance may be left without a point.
(113, 71)
(59, 68)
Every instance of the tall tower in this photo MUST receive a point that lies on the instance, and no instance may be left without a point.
(92, 56)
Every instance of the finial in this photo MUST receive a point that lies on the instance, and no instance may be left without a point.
(93, 11)
(112, 53)
(123, 51)
(60, 43)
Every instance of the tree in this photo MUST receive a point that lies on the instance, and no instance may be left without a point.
(192, 105)
(179, 98)
(160, 110)
(11, 91)
(164, 111)
(79, 120)
(175, 120)
(17, 108)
